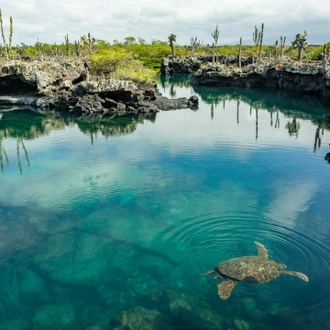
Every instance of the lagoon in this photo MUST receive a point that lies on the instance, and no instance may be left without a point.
(109, 223)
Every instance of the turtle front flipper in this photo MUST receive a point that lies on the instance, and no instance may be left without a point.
(300, 275)
(225, 288)
(262, 251)
(208, 272)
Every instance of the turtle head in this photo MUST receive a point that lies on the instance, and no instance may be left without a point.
(281, 266)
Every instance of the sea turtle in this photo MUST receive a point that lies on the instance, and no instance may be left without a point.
(250, 269)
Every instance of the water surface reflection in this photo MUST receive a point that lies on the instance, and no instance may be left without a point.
(109, 222)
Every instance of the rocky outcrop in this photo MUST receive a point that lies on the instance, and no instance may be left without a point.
(180, 65)
(173, 65)
(309, 79)
(64, 86)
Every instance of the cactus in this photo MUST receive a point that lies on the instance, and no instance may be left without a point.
(89, 41)
(240, 53)
(325, 58)
(77, 47)
(194, 44)
(215, 36)
(261, 37)
(3, 36)
(171, 41)
(282, 44)
(67, 45)
(276, 49)
(301, 43)
(256, 38)
(10, 34)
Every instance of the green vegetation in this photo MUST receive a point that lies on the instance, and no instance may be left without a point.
(120, 64)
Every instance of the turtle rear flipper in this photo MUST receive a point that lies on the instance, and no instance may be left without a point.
(262, 251)
(225, 288)
(300, 275)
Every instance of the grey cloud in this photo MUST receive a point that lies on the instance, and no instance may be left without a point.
(51, 20)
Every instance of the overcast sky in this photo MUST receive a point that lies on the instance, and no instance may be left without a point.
(50, 20)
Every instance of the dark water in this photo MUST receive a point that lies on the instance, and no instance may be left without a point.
(108, 224)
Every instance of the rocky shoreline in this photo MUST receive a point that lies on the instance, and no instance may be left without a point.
(306, 78)
(69, 86)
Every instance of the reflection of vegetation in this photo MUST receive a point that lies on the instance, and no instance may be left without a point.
(293, 127)
(25, 124)
(3, 156)
(172, 82)
(274, 102)
(28, 124)
(318, 133)
(19, 142)
(116, 125)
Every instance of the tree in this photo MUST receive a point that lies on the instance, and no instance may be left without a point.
(171, 41)
(129, 41)
(301, 43)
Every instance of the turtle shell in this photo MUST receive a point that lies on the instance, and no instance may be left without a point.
(251, 269)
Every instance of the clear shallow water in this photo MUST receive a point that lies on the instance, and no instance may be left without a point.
(115, 220)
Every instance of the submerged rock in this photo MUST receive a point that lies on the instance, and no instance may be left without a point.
(54, 317)
(140, 318)
(241, 324)
(194, 314)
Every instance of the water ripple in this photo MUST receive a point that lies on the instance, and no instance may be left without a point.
(207, 239)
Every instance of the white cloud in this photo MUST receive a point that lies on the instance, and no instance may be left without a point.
(51, 20)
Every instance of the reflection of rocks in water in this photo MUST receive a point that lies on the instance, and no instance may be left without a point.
(116, 125)
(327, 157)
(29, 124)
(282, 100)
(140, 318)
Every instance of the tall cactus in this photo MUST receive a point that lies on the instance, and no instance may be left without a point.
(6, 46)
(240, 53)
(67, 45)
(10, 34)
(215, 36)
(89, 41)
(195, 44)
(171, 41)
(77, 47)
(301, 43)
(325, 58)
(276, 49)
(282, 44)
(261, 38)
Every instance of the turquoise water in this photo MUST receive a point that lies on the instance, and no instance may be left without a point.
(108, 224)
